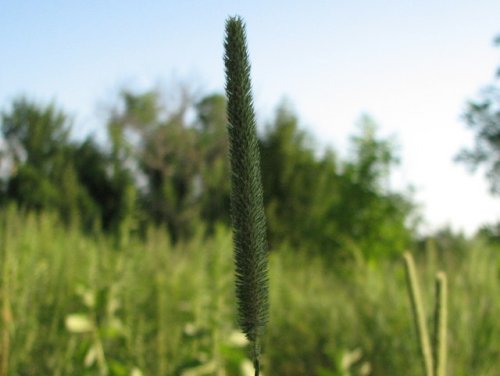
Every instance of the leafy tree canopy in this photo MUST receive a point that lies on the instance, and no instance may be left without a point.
(483, 117)
(166, 162)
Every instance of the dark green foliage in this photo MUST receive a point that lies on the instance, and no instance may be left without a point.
(43, 175)
(372, 216)
(483, 117)
(179, 166)
(161, 165)
(160, 150)
(36, 134)
(325, 205)
(300, 188)
(491, 233)
(247, 208)
(107, 183)
(213, 144)
(37, 150)
(48, 171)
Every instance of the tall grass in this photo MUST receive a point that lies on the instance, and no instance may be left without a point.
(158, 309)
(419, 315)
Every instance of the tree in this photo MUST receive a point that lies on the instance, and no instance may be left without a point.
(483, 117)
(161, 149)
(299, 188)
(213, 145)
(322, 204)
(178, 162)
(35, 134)
(370, 214)
(108, 183)
(48, 171)
(37, 140)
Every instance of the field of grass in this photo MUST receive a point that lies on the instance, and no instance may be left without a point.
(80, 305)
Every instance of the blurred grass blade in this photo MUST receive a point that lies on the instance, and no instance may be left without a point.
(419, 314)
(440, 325)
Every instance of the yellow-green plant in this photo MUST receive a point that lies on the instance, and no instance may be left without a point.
(440, 325)
(5, 311)
(433, 357)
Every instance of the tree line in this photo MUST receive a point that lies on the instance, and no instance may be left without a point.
(482, 116)
(165, 163)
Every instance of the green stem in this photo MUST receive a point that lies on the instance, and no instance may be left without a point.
(440, 322)
(256, 357)
(419, 315)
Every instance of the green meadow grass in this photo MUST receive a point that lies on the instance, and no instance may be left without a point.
(86, 305)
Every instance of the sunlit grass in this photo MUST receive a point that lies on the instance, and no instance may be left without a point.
(157, 309)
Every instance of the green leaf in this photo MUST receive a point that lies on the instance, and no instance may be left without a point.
(79, 323)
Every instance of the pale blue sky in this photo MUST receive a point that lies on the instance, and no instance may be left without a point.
(410, 64)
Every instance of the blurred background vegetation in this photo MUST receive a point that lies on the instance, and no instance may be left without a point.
(166, 164)
(116, 257)
(75, 304)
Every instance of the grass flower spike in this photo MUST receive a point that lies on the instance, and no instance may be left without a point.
(247, 208)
